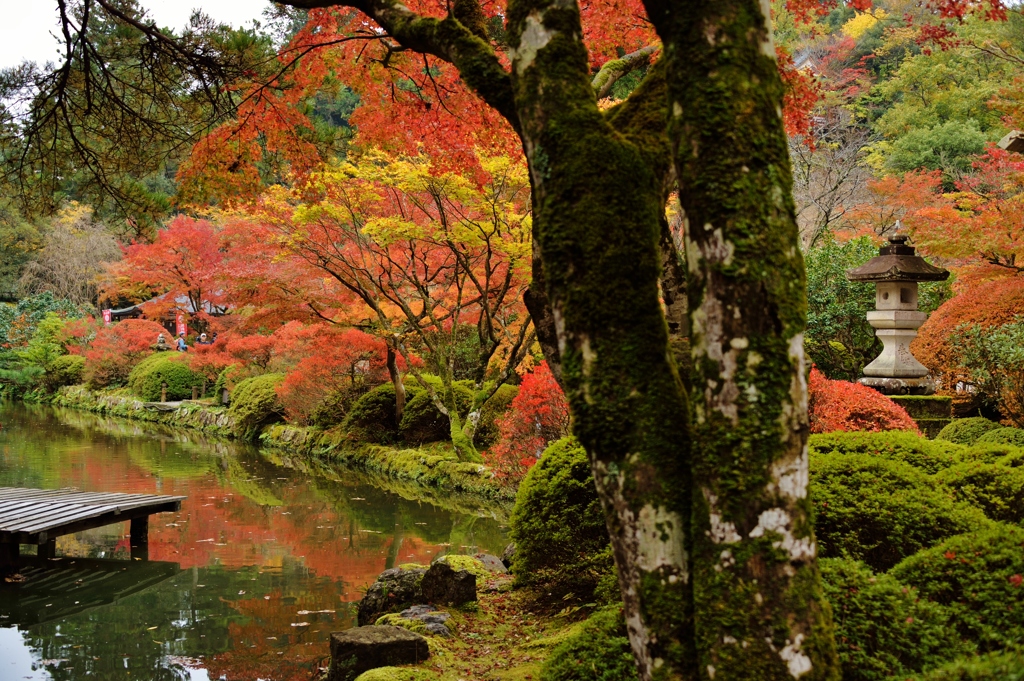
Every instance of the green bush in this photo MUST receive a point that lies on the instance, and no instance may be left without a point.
(149, 375)
(987, 452)
(977, 576)
(558, 526)
(1003, 436)
(1002, 666)
(882, 628)
(927, 455)
(423, 422)
(336, 406)
(494, 408)
(599, 651)
(254, 404)
(996, 489)
(64, 370)
(372, 417)
(966, 431)
(881, 511)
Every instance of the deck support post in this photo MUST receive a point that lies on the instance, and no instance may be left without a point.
(48, 549)
(138, 530)
(8, 557)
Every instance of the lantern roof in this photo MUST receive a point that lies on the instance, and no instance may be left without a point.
(897, 261)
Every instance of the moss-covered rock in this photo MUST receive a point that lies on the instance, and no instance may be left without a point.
(881, 511)
(470, 564)
(397, 674)
(883, 629)
(966, 431)
(1002, 666)
(1003, 436)
(148, 377)
(977, 576)
(254, 404)
(423, 422)
(996, 489)
(598, 651)
(558, 525)
(63, 371)
(372, 417)
(927, 455)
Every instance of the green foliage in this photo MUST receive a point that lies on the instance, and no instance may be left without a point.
(978, 577)
(1001, 666)
(994, 359)
(996, 489)
(20, 240)
(499, 403)
(332, 411)
(966, 431)
(599, 651)
(558, 525)
(372, 417)
(147, 378)
(927, 455)
(1003, 436)
(423, 422)
(254, 404)
(863, 503)
(64, 370)
(948, 147)
(882, 628)
(18, 322)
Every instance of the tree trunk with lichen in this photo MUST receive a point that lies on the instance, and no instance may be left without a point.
(759, 610)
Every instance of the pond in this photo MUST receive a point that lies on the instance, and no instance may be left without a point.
(266, 557)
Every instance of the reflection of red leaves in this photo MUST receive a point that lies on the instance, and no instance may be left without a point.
(1016, 580)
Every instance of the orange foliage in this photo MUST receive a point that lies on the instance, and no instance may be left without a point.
(844, 406)
(118, 348)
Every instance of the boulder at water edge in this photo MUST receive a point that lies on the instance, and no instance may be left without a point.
(363, 648)
(442, 584)
(394, 590)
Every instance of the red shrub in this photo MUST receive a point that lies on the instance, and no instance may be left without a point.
(118, 348)
(328, 361)
(840, 405)
(539, 415)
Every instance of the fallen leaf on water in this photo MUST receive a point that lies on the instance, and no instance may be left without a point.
(300, 624)
(151, 628)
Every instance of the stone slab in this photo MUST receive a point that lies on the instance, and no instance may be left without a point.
(363, 648)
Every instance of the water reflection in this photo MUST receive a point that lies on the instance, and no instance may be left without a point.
(247, 581)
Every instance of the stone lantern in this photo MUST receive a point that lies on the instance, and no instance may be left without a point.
(895, 272)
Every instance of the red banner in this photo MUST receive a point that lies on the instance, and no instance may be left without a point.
(106, 317)
(180, 327)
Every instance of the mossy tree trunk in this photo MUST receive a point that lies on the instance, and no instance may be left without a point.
(759, 609)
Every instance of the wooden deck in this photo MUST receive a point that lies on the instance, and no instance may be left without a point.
(39, 516)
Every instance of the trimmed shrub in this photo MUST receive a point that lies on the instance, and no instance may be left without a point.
(147, 378)
(997, 490)
(333, 409)
(1002, 666)
(882, 628)
(988, 452)
(1003, 436)
(966, 431)
(927, 455)
(978, 576)
(558, 525)
(423, 422)
(254, 404)
(881, 511)
(372, 417)
(839, 405)
(599, 651)
(494, 408)
(64, 370)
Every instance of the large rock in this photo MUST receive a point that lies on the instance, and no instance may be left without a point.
(394, 589)
(492, 563)
(442, 584)
(508, 554)
(363, 648)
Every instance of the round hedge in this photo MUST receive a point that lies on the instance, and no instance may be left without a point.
(558, 525)
(1002, 666)
(494, 408)
(987, 452)
(423, 422)
(335, 407)
(881, 511)
(927, 455)
(1003, 436)
(977, 576)
(372, 417)
(966, 431)
(254, 404)
(882, 629)
(64, 370)
(996, 489)
(599, 651)
(149, 375)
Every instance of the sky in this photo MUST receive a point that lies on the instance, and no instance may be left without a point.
(28, 27)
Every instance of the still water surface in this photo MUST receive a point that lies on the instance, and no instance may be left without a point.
(246, 582)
